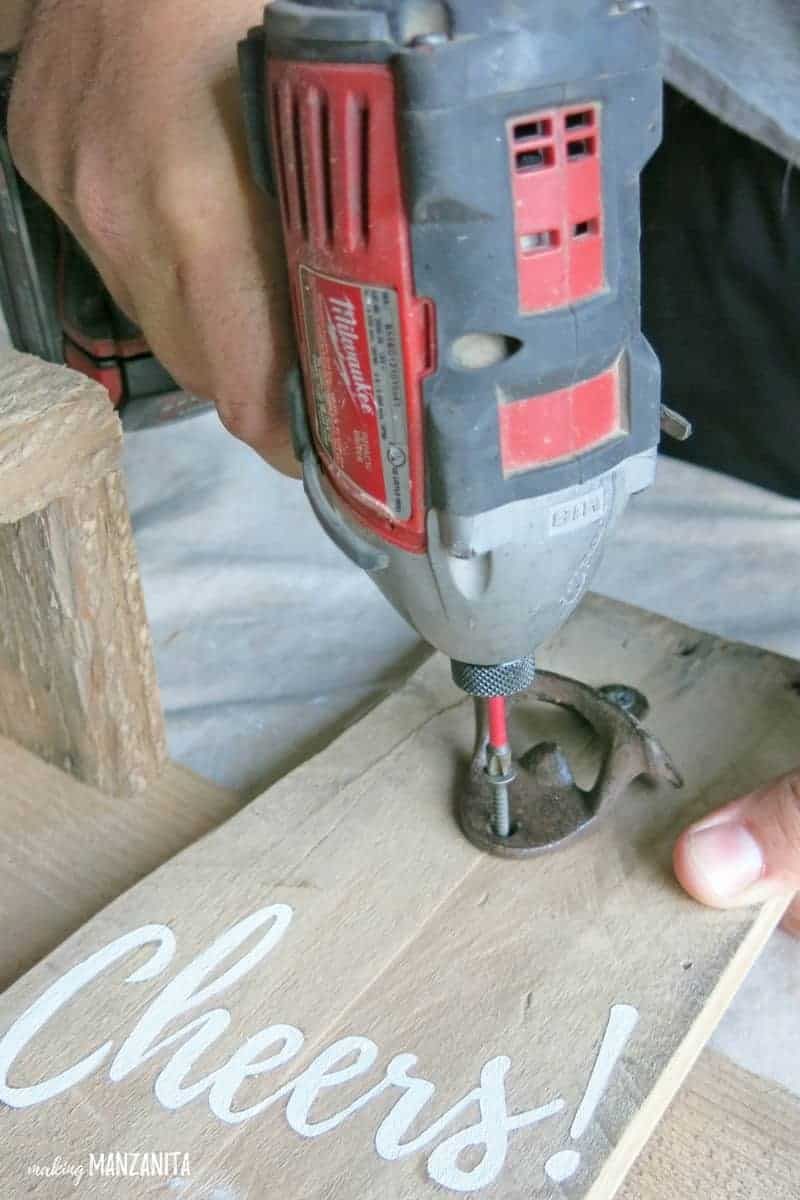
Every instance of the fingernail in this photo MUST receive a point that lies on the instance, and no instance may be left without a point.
(727, 858)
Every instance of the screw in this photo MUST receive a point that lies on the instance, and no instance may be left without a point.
(501, 811)
(500, 775)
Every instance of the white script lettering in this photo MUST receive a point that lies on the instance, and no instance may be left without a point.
(214, 971)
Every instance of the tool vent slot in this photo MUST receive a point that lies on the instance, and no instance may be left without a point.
(536, 159)
(317, 180)
(327, 170)
(290, 157)
(524, 131)
(351, 131)
(280, 155)
(302, 184)
(580, 148)
(366, 163)
(579, 120)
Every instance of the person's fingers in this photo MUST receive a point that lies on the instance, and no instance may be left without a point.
(746, 852)
(219, 322)
(214, 303)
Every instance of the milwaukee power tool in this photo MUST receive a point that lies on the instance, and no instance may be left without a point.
(459, 190)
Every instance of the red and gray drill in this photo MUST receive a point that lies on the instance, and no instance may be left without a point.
(459, 189)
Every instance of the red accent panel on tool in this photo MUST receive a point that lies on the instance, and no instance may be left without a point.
(541, 430)
(107, 373)
(366, 340)
(557, 189)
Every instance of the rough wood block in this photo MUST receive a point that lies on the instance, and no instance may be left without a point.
(336, 995)
(77, 678)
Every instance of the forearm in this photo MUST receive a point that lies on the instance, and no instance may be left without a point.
(13, 16)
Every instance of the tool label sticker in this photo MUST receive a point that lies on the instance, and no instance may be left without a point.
(577, 513)
(355, 359)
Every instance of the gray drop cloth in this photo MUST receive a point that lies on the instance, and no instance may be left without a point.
(740, 59)
(268, 641)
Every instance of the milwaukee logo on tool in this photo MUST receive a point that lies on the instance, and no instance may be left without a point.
(346, 345)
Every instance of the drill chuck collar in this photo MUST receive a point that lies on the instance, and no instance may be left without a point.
(504, 679)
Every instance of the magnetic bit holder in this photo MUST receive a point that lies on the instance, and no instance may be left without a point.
(546, 807)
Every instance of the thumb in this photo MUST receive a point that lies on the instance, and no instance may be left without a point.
(746, 852)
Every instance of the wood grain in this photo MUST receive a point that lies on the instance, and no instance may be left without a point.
(67, 849)
(77, 677)
(404, 934)
(58, 434)
(728, 1135)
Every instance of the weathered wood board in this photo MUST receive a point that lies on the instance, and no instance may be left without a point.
(67, 850)
(726, 1135)
(77, 677)
(500, 979)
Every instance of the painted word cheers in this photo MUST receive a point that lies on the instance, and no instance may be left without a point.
(274, 1047)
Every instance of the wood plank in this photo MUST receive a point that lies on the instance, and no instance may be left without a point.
(67, 850)
(728, 1135)
(403, 935)
(77, 676)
